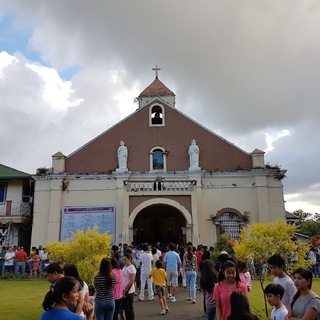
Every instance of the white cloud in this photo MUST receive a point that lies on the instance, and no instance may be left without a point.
(247, 70)
(294, 202)
(48, 114)
(5, 60)
(56, 92)
(271, 138)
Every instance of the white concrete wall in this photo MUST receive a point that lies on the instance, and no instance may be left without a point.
(260, 195)
(49, 200)
(14, 191)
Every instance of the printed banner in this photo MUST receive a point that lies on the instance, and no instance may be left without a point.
(82, 218)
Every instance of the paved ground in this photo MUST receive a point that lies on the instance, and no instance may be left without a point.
(182, 309)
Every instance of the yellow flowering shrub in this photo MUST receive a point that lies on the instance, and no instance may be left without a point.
(260, 241)
(84, 249)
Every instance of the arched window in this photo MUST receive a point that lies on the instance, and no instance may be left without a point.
(156, 115)
(230, 225)
(157, 159)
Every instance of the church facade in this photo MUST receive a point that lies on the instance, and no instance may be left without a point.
(156, 176)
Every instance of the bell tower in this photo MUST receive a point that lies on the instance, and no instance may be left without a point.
(156, 90)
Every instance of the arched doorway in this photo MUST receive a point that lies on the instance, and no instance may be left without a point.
(159, 223)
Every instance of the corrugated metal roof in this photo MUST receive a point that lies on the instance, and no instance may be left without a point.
(7, 173)
(291, 216)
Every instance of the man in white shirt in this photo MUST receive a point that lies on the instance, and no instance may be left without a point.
(146, 267)
(44, 259)
(9, 260)
(159, 254)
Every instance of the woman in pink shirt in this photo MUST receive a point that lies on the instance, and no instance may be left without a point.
(118, 290)
(229, 281)
(35, 265)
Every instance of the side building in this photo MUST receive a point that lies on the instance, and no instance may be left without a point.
(16, 198)
(157, 175)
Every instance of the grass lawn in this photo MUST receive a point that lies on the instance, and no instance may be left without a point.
(21, 299)
(257, 299)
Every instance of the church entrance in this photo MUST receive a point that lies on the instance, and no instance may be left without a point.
(159, 223)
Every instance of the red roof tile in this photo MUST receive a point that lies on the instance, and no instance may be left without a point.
(257, 151)
(59, 154)
(156, 88)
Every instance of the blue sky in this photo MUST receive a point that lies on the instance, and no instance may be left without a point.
(14, 38)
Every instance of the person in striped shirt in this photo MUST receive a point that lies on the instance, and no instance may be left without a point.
(104, 283)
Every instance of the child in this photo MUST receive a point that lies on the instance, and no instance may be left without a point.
(244, 275)
(35, 265)
(159, 279)
(208, 279)
(228, 282)
(240, 309)
(91, 293)
(247, 277)
(274, 294)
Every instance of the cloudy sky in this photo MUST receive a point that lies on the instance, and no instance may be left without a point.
(247, 70)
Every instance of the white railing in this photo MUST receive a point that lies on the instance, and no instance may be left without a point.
(172, 185)
(15, 208)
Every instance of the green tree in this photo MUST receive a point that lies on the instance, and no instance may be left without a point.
(85, 250)
(302, 215)
(309, 228)
(260, 241)
(316, 217)
(221, 244)
(224, 243)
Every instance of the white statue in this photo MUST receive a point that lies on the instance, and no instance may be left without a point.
(194, 154)
(122, 155)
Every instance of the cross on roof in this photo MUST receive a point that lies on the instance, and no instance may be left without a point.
(156, 69)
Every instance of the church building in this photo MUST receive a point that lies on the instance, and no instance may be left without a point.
(156, 176)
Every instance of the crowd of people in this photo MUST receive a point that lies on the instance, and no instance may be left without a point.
(148, 271)
(15, 261)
